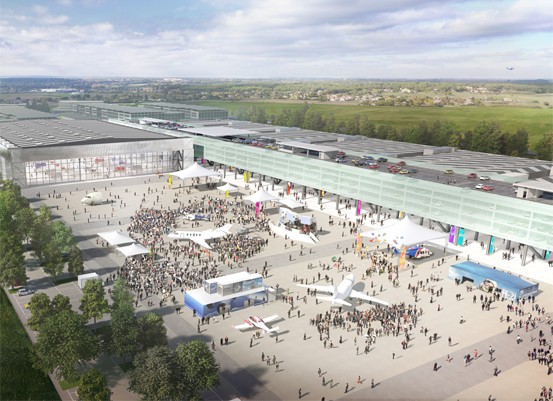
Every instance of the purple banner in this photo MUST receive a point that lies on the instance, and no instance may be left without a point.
(359, 203)
(257, 208)
(452, 234)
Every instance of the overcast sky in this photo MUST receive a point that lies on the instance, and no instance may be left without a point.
(278, 38)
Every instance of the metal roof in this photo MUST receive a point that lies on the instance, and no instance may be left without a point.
(309, 146)
(10, 112)
(40, 133)
(181, 106)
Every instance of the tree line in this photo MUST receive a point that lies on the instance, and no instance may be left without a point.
(65, 342)
(487, 137)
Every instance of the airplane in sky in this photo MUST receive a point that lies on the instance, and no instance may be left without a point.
(200, 237)
(256, 321)
(194, 216)
(343, 291)
(510, 68)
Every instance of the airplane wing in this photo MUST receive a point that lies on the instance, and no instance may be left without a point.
(319, 288)
(270, 318)
(200, 241)
(372, 300)
(220, 232)
(243, 326)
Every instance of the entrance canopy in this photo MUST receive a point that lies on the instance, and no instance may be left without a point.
(195, 171)
(133, 250)
(404, 233)
(261, 196)
(116, 237)
(227, 187)
(512, 287)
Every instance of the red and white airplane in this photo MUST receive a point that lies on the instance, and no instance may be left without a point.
(256, 321)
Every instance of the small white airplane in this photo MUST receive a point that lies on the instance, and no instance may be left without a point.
(93, 198)
(192, 217)
(200, 237)
(343, 291)
(256, 321)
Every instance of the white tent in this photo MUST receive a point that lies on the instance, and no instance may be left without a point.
(116, 237)
(404, 233)
(290, 202)
(227, 187)
(194, 171)
(133, 250)
(261, 196)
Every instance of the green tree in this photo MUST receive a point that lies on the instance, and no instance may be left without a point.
(93, 386)
(124, 331)
(62, 343)
(75, 263)
(330, 123)
(53, 260)
(518, 144)
(157, 375)
(121, 295)
(544, 147)
(487, 138)
(313, 120)
(367, 127)
(42, 308)
(152, 330)
(199, 371)
(41, 232)
(352, 125)
(62, 236)
(24, 222)
(12, 260)
(93, 302)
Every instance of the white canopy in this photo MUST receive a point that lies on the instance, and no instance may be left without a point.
(133, 250)
(261, 196)
(194, 171)
(116, 237)
(290, 202)
(404, 233)
(226, 187)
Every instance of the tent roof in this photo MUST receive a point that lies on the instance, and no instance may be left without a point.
(261, 196)
(404, 233)
(503, 279)
(116, 237)
(194, 171)
(133, 249)
(226, 187)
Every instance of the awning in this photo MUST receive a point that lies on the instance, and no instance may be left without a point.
(116, 237)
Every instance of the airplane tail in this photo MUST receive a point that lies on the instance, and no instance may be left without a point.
(334, 300)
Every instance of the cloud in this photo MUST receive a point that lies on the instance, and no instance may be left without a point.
(264, 38)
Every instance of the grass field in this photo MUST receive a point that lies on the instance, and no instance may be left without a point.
(18, 379)
(536, 121)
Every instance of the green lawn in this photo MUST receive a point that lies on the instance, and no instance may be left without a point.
(18, 379)
(535, 120)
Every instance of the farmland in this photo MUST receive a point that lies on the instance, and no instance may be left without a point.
(510, 118)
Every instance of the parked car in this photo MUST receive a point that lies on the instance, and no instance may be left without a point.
(404, 171)
(401, 163)
(367, 157)
(25, 291)
(382, 160)
(341, 160)
(449, 171)
(341, 154)
(484, 178)
(373, 166)
(472, 175)
(484, 187)
(413, 170)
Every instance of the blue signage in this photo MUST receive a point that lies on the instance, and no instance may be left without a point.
(461, 236)
(491, 247)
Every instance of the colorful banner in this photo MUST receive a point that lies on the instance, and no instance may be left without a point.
(359, 203)
(245, 176)
(226, 194)
(359, 241)
(401, 215)
(491, 247)
(322, 193)
(402, 257)
(289, 187)
(257, 208)
(170, 180)
(249, 176)
(461, 236)
(452, 234)
(547, 253)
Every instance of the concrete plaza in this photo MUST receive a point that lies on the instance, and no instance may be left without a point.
(397, 374)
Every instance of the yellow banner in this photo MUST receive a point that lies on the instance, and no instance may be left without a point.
(226, 193)
(359, 241)
(245, 176)
(402, 257)
(170, 180)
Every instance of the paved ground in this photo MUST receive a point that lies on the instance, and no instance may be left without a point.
(409, 376)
